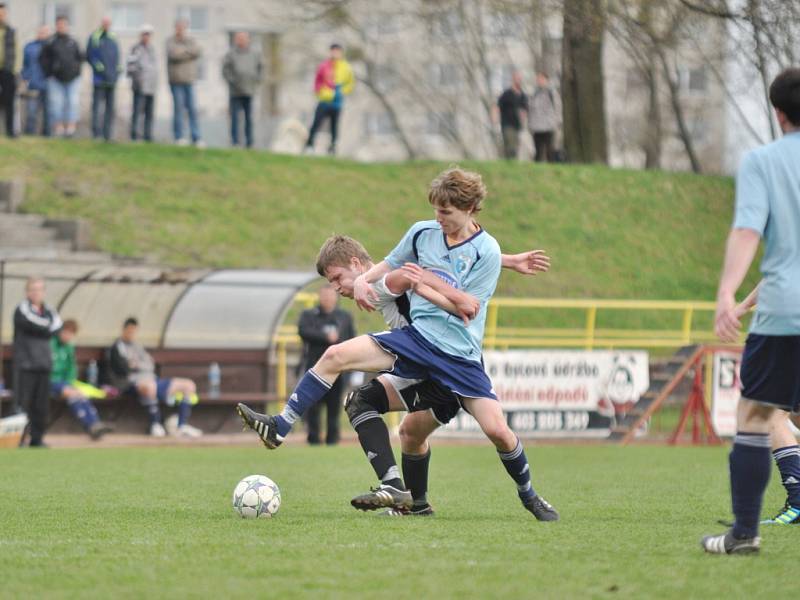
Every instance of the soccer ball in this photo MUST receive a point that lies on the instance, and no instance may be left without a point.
(255, 497)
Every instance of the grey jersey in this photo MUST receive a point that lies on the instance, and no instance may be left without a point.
(394, 307)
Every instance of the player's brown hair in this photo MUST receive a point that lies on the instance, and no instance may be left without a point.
(70, 325)
(458, 188)
(338, 251)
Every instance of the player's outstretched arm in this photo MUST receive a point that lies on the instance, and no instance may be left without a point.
(363, 293)
(527, 263)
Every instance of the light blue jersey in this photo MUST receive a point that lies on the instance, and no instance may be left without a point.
(472, 266)
(768, 202)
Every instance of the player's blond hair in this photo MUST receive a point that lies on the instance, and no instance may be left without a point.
(338, 251)
(458, 188)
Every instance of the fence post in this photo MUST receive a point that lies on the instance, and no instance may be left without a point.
(686, 328)
(280, 376)
(591, 319)
(491, 326)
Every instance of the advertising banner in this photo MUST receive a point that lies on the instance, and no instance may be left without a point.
(725, 392)
(569, 393)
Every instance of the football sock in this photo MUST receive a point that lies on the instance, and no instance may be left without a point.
(788, 461)
(154, 413)
(309, 390)
(516, 463)
(415, 472)
(184, 410)
(750, 469)
(84, 411)
(374, 438)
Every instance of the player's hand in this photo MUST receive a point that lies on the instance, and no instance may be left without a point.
(726, 321)
(413, 273)
(529, 263)
(468, 308)
(363, 294)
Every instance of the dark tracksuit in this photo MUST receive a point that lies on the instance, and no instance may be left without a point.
(33, 362)
(8, 80)
(312, 328)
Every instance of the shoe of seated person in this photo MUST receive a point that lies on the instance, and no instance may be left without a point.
(187, 430)
(157, 430)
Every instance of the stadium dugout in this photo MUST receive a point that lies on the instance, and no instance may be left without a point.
(189, 319)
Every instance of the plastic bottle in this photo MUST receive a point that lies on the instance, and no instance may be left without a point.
(92, 374)
(214, 380)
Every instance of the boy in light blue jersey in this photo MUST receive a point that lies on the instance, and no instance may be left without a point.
(768, 208)
(437, 346)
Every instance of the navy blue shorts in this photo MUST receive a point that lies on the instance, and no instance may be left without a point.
(771, 370)
(429, 395)
(417, 358)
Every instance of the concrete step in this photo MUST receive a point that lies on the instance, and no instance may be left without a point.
(21, 220)
(29, 237)
(53, 254)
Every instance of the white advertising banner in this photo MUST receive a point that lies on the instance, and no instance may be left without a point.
(726, 391)
(569, 393)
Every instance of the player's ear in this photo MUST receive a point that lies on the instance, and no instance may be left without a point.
(355, 264)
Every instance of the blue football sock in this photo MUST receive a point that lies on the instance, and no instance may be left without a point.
(516, 463)
(309, 390)
(750, 468)
(153, 412)
(84, 412)
(184, 410)
(788, 461)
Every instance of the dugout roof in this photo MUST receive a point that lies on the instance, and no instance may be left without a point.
(176, 308)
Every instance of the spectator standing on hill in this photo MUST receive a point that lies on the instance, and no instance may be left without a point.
(319, 328)
(8, 69)
(35, 84)
(34, 324)
(511, 106)
(64, 382)
(102, 53)
(142, 68)
(135, 371)
(183, 55)
(334, 81)
(544, 118)
(242, 69)
(61, 60)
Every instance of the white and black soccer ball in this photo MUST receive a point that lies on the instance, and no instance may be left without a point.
(256, 497)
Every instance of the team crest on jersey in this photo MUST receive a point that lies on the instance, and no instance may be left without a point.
(446, 277)
(463, 263)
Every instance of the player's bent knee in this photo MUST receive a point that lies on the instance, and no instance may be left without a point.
(368, 401)
(334, 358)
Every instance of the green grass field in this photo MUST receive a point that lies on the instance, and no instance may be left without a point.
(157, 523)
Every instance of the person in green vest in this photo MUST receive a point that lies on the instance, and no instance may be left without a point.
(64, 382)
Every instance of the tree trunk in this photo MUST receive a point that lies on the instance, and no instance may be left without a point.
(677, 108)
(585, 137)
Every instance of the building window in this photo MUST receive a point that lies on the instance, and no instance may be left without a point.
(693, 81)
(51, 10)
(378, 124)
(444, 75)
(446, 24)
(442, 124)
(505, 25)
(195, 16)
(127, 16)
(385, 78)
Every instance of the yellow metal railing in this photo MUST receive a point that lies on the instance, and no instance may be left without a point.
(589, 336)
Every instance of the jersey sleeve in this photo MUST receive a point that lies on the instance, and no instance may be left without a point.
(752, 199)
(482, 278)
(406, 250)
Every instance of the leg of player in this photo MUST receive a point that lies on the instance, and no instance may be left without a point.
(786, 453)
(364, 408)
(750, 467)
(490, 417)
(185, 393)
(358, 354)
(415, 429)
(147, 391)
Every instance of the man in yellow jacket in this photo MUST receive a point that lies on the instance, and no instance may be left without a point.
(334, 81)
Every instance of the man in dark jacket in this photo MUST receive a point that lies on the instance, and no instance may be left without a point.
(34, 323)
(61, 60)
(102, 53)
(511, 108)
(35, 84)
(8, 67)
(319, 328)
(242, 68)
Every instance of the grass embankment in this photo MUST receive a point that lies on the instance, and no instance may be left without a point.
(611, 233)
